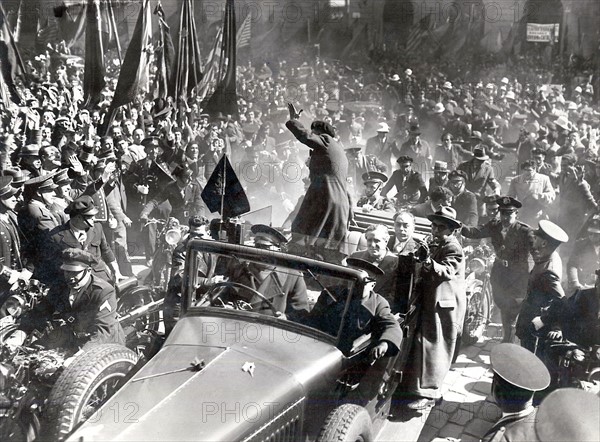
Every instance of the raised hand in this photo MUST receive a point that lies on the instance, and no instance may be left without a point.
(294, 113)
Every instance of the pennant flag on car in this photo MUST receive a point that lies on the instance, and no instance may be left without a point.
(224, 191)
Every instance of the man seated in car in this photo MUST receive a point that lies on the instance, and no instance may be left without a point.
(285, 289)
(368, 313)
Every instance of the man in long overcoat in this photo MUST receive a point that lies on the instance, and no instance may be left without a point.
(443, 306)
(322, 221)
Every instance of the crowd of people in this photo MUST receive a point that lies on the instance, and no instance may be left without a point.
(500, 158)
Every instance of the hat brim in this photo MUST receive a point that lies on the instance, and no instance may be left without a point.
(483, 158)
(450, 222)
(69, 267)
(9, 192)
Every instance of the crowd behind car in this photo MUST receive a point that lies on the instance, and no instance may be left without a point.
(501, 156)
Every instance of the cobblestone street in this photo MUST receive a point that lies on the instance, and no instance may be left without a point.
(466, 411)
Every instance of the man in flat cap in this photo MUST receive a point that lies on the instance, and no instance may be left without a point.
(512, 241)
(480, 176)
(518, 374)
(544, 285)
(372, 199)
(368, 312)
(409, 183)
(89, 307)
(464, 201)
(284, 288)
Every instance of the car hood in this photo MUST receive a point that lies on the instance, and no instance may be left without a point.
(251, 374)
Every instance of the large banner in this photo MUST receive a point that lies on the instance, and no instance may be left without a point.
(537, 32)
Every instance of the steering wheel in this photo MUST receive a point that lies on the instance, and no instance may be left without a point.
(215, 293)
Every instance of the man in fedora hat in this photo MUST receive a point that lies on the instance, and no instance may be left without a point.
(534, 190)
(409, 184)
(443, 306)
(367, 312)
(417, 148)
(372, 199)
(88, 306)
(382, 146)
(480, 176)
(511, 240)
(10, 243)
(30, 159)
(544, 285)
(285, 289)
(440, 175)
(518, 375)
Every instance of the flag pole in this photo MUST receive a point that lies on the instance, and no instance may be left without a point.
(223, 187)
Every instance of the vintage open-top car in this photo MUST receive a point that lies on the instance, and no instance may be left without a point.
(236, 368)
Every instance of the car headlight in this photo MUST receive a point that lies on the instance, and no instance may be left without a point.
(173, 236)
(14, 306)
(477, 265)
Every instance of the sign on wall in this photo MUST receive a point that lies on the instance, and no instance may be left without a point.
(538, 32)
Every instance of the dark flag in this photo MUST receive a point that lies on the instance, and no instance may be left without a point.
(11, 63)
(94, 71)
(134, 70)
(418, 33)
(231, 195)
(71, 29)
(224, 99)
(164, 59)
(188, 69)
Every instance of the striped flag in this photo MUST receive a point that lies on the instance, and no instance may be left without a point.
(11, 63)
(94, 71)
(211, 69)
(245, 32)
(417, 34)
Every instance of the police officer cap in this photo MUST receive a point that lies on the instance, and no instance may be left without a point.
(491, 200)
(43, 183)
(84, 205)
(538, 151)
(404, 159)
(368, 267)
(77, 260)
(265, 235)
(374, 177)
(508, 203)
(457, 174)
(151, 141)
(519, 367)
(6, 190)
(550, 231)
(569, 414)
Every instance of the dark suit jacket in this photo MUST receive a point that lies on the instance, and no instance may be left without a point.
(408, 189)
(386, 283)
(478, 179)
(465, 205)
(182, 206)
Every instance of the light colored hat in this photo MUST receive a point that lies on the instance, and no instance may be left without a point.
(510, 95)
(383, 128)
(447, 85)
(439, 108)
(504, 80)
(408, 71)
(395, 77)
(563, 123)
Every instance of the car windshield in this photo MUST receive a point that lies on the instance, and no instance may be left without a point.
(245, 279)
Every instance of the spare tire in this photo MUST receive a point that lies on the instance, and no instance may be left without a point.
(90, 379)
(347, 423)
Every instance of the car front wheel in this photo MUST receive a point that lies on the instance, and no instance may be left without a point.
(347, 423)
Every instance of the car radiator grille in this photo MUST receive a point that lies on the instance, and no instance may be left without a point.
(285, 427)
